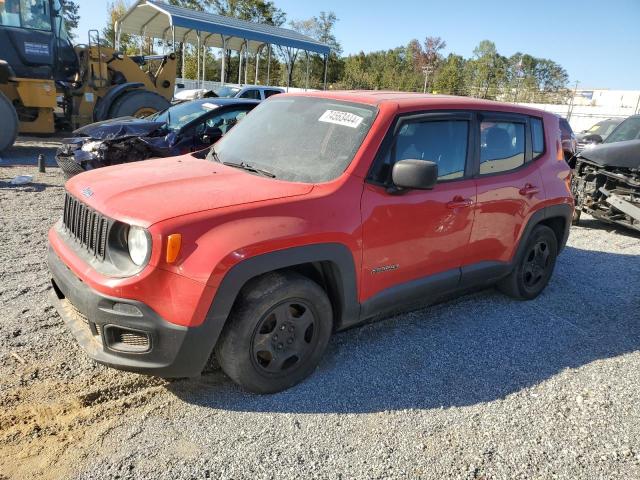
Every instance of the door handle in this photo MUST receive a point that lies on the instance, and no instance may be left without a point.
(459, 202)
(529, 189)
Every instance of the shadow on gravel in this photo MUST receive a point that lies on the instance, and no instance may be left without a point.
(28, 187)
(476, 349)
(26, 150)
(594, 224)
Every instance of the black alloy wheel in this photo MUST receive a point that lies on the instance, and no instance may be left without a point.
(284, 336)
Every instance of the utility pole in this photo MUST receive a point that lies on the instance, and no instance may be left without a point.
(427, 70)
(575, 92)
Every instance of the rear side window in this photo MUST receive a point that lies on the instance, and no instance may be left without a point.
(501, 146)
(537, 137)
(252, 94)
(269, 93)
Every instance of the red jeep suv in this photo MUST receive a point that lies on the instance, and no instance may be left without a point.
(316, 213)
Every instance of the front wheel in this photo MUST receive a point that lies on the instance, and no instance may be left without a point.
(9, 130)
(533, 269)
(277, 332)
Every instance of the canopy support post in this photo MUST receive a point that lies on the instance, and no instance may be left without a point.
(258, 62)
(204, 56)
(269, 64)
(326, 65)
(184, 54)
(224, 59)
(198, 59)
(240, 65)
(306, 85)
(246, 61)
(118, 36)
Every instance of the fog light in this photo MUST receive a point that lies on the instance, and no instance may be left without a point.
(127, 309)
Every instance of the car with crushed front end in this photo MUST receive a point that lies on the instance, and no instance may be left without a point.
(181, 128)
(606, 177)
(319, 211)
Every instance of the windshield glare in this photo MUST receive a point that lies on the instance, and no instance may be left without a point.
(300, 139)
(227, 92)
(179, 115)
(627, 130)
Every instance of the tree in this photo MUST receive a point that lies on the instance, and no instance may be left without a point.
(71, 15)
(319, 28)
(487, 70)
(450, 79)
(115, 10)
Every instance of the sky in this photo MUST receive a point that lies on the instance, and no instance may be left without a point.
(597, 42)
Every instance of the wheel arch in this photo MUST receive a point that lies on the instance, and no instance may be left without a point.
(556, 217)
(332, 264)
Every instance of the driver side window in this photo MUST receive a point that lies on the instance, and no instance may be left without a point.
(443, 142)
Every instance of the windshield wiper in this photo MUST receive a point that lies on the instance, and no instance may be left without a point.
(248, 168)
(213, 155)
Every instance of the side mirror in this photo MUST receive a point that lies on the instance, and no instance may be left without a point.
(180, 85)
(415, 174)
(593, 138)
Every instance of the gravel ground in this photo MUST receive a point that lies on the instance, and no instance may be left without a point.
(481, 387)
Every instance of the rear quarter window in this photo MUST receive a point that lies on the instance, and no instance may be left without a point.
(537, 137)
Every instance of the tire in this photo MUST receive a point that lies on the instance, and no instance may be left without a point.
(276, 334)
(535, 266)
(9, 130)
(137, 103)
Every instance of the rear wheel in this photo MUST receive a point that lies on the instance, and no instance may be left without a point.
(276, 334)
(533, 270)
(9, 130)
(138, 103)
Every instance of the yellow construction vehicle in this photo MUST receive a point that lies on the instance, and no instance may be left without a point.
(49, 85)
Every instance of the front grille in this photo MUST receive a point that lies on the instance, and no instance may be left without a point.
(87, 226)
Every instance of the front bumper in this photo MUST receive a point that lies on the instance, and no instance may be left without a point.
(124, 333)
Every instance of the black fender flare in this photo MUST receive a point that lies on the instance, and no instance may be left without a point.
(563, 211)
(101, 111)
(202, 339)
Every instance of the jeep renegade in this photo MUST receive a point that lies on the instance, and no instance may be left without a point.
(317, 212)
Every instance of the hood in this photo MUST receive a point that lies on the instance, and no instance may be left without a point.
(119, 127)
(147, 192)
(619, 154)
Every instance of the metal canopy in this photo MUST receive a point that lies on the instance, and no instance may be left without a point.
(152, 18)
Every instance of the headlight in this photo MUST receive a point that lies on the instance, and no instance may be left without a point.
(138, 244)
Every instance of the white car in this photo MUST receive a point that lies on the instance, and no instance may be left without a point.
(253, 92)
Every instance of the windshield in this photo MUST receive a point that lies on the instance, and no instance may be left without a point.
(33, 14)
(299, 139)
(603, 128)
(627, 130)
(179, 115)
(226, 92)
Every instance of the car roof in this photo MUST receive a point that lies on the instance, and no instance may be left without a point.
(419, 100)
(262, 87)
(223, 102)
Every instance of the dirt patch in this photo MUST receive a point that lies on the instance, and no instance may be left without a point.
(48, 428)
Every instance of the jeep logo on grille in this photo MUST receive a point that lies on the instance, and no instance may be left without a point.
(87, 192)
